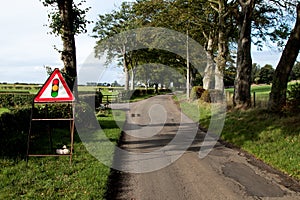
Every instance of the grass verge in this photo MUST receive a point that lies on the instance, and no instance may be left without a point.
(54, 177)
(271, 138)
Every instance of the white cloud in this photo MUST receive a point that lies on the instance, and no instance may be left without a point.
(95, 70)
(25, 45)
(266, 57)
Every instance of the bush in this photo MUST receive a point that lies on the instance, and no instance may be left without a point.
(84, 115)
(205, 96)
(52, 111)
(293, 98)
(138, 93)
(294, 93)
(164, 90)
(150, 91)
(14, 126)
(196, 92)
(14, 129)
(14, 100)
(214, 96)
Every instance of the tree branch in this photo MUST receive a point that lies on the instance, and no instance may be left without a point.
(213, 7)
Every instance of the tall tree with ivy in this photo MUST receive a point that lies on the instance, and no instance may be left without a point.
(258, 21)
(288, 58)
(66, 20)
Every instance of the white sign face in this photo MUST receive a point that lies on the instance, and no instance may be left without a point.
(55, 89)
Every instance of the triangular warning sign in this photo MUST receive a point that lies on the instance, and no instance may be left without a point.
(55, 89)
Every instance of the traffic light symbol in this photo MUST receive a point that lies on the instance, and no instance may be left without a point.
(55, 87)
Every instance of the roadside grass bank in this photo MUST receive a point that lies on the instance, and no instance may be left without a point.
(54, 177)
(272, 138)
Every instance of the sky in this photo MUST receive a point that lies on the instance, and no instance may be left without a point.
(25, 46)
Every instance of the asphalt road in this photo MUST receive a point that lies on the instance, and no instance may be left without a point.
(226, 173)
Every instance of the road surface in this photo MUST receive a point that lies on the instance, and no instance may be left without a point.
(226, 173)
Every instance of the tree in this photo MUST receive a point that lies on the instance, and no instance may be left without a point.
(161, 13)
(115, 84)
(229, 75)
(266, 74)
(67, 20)
(242, 96)
(223, 37)
(289, 55)
(108, 26)
(266, 21)
(255, 78)
(295, 73)
(204, 21)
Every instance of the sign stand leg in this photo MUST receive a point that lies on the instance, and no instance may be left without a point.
(29, 133)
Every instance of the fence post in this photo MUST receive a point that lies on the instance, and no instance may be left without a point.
(254, 100)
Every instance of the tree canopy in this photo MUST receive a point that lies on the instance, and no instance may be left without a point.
(225, 29)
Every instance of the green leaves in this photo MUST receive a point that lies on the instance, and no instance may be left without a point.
(55, 22)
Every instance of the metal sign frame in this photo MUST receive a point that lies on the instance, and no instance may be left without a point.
(72, 127)
(69, 100)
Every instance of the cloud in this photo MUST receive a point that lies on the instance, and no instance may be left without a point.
(95, 70)
(25, 44)
(266, 57)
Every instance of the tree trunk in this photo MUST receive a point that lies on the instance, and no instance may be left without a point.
(289, 55)
(187, 67)
(219, 79)
(208, 78)
(134, 64)
(125, 66)
(132, 79)
(68, 55)
(126, 87)
(242, 85)
(222, 48)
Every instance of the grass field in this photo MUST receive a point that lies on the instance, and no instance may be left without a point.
(261, 93)
(54, 177)
(264, 89)
(104, 90)
(33, 89)
(11, 88)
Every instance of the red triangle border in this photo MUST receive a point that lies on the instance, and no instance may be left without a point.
(38, 98)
